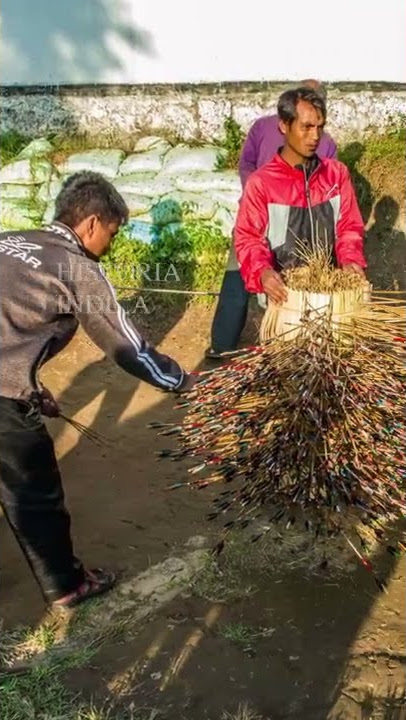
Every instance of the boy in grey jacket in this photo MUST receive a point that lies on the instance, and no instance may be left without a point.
(50, 282)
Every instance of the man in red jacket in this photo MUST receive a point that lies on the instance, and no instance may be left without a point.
(296, 197)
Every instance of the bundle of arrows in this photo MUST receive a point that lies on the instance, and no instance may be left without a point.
(308, 426)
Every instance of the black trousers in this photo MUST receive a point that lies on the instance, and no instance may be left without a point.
(232, 308)
(32, 499)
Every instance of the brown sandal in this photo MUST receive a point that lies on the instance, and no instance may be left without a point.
(96, 583)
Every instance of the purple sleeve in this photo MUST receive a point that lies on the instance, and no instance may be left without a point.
(330, 148)
(249, 155)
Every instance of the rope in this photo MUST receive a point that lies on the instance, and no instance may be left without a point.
(168, 291)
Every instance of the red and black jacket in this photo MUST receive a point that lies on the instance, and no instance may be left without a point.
(283, 206)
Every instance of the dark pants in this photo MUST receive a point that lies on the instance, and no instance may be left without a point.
(231, 311)
(32, 499)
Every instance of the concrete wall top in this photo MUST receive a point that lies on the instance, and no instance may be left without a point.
(187, 112)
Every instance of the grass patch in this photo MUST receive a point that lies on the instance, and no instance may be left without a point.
(37, 695)
(244, 635)
(231, 145)
(57, 642)
(225, 579)
(11, 144)
(190, 258)
(24, 643)
(239, 634)
(33, 664)
(244, 566)
(108, 712)
(41, 695)
(243, 712)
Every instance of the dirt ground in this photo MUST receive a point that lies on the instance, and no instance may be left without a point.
(301, 647)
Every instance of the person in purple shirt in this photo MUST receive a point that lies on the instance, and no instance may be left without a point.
(263, 142)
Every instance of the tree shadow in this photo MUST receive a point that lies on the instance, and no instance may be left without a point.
(385, 247)
(351, 156)
(394, 707)
(75, 42)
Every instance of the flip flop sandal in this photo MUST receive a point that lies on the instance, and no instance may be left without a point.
(211, 354)
(96, 583)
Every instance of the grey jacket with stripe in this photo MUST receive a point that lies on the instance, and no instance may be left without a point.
(48, 286)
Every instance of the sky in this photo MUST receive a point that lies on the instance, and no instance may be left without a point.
(161, 41)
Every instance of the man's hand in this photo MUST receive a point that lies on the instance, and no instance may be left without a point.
(273, 286)
(48, 404)
(353, 267)
(189, 384)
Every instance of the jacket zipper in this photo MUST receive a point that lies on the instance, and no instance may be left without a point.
(309, 207)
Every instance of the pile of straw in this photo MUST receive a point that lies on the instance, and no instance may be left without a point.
(315, 291)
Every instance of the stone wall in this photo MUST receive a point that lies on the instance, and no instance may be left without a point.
(187, 112)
